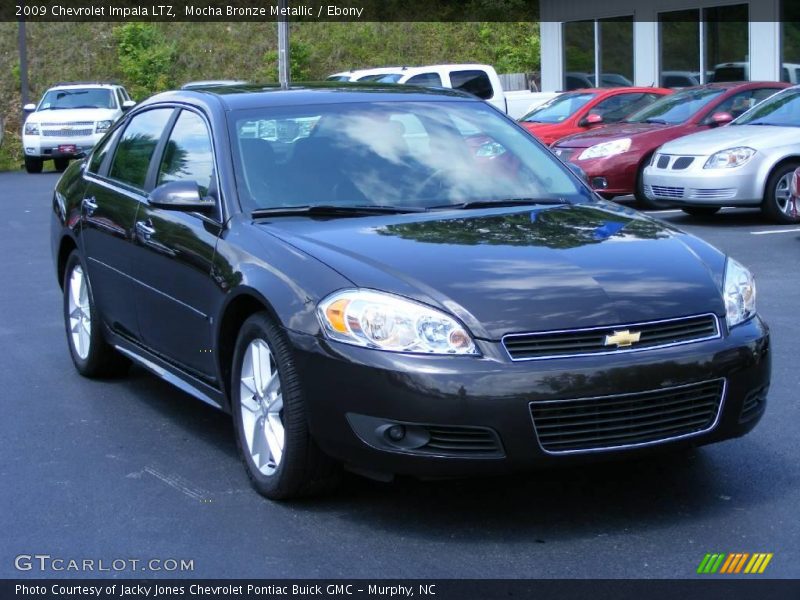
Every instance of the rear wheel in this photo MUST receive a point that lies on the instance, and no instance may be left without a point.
(61, 164)
(90, 352)
(778, 205)
(33, 164)
(701, 211)
(281, 457)
(644, 202)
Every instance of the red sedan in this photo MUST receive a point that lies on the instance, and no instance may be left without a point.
(614, 157)
(577, 111)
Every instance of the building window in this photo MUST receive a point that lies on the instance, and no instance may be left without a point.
(701, 46)
(598, 53)
(790, 41)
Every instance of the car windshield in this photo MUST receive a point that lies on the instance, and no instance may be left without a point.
(559, 108)
(782, 110)
(77, 98)
(676, 108)
(404, 154)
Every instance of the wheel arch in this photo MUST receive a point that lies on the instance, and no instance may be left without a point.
(790, 158)
(66, 246)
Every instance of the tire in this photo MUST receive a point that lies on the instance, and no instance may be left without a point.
(33, 165)
(701, 211)
(61, 164)
(266, 410)
(776, 205)
(91, 354)
(643, 201)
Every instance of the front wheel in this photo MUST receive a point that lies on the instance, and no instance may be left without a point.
(33, 164)
(701, 211)
(778, 205)
(91, 354)
(61, 164)
(281, 457)
(643, 201)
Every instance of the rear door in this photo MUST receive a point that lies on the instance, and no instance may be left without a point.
(116, 176)
(173, 253)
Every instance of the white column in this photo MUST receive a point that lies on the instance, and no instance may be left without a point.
(552, 56)
(645, 53)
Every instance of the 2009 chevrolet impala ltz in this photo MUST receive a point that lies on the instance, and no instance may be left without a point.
(396, 280)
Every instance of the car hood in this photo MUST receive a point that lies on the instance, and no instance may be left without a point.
(714, 140)
(71, 115)
(522, 270)
(613, 132)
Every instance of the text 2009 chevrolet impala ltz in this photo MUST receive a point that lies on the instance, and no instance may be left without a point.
(398, 281)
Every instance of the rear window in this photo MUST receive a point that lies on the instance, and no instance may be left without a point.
(678, 107)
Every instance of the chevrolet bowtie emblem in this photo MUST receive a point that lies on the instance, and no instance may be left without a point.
(623, 339)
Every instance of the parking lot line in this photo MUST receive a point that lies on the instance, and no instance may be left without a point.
(769, 231)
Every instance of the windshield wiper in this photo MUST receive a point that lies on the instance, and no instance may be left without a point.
(503, 202)
(656, 121)
(328, 210)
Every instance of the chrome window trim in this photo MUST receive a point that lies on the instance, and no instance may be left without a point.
(716, 335)
(674, 438)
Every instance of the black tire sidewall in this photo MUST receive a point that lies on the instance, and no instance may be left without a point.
(33, 165)
(644, 202)
(61, 164)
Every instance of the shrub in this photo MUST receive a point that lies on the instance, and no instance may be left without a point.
(145, 58)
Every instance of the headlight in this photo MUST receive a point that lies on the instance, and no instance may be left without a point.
(732, 157)
(388, 322)
(102, 126)
(31, 129)
(606, 149)
(739, 293)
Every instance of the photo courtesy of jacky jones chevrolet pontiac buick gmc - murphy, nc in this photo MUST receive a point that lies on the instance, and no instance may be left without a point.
(397, 281)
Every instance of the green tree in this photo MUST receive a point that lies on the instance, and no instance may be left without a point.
(145, 58)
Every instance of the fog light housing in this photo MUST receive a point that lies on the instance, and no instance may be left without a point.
(396, 433)
(599, 183)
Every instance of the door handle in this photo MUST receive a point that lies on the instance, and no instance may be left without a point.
(89, 205)
(144, 230)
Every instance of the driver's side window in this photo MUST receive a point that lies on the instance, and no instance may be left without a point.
(188, 155)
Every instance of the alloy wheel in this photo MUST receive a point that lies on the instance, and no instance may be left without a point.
(783, 195)
(80, 317)
(262, 407)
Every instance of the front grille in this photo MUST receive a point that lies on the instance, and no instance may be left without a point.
(753, 404)
(663, 161)
(66, 132)
(663, 191)
(462, 441)
(70, 124)
(579, 342)
(682, 162)
(608, 422)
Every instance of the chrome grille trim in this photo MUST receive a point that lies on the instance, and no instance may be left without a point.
(610, 328)
(664, 440)
(69, 124)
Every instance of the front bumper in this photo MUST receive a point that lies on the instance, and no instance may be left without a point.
(40, 146)
(696, 186)
(618, 172)
(353, 392)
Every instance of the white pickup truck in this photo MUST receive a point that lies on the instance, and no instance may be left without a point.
(480, 80)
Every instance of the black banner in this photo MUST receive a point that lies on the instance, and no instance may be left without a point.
(107, 589)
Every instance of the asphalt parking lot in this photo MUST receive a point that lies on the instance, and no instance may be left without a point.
(133, 468)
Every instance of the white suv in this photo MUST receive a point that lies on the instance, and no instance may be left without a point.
(69, 120)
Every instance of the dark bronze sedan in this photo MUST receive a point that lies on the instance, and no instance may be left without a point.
(395, 280)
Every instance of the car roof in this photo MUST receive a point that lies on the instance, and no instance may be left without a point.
(78, 85)
(618, 90)
(237, 97)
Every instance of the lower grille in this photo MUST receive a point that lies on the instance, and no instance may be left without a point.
(663, 191)
(608, 422)
(713, 193)
(463, 441)
(579, 342)
(753, 404)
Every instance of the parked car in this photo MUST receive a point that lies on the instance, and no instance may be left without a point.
(614, 157)
(680, 79)
(573, 112)
(68, 121)
(579, 81)
(196, 85)
(480, 80)
(748, 163)
(449, 305)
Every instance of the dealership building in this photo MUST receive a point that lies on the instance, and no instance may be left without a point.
(673, 43)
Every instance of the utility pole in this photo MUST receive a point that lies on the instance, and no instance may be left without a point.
(284, 73)
(23, 63)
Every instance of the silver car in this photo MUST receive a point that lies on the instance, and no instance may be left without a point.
(747, 163)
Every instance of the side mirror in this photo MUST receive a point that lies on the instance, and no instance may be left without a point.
(29, 107)
(721, 118)
(180, 195)
(591, 119)
(128, 104)
(794, 184)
